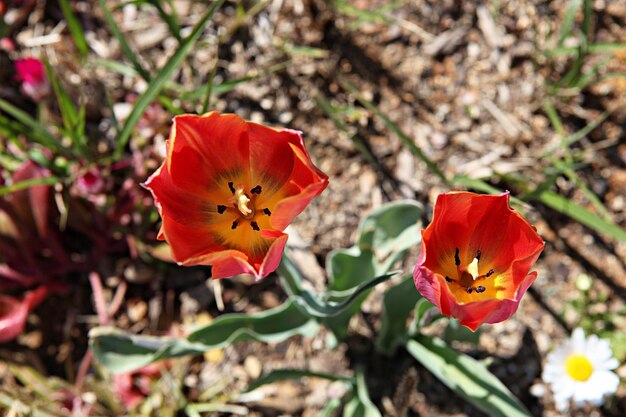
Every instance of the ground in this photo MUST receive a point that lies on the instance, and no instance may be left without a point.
(475, 87)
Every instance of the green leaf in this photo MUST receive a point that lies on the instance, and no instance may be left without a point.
(270, 326)
(390, 231)
(361, 405)
(582, 215)
(568, 21)
(38, 131)
(287, 374)
(455, 332)
(75, 28)
(170, 20)
(123, 352)
(332, 405)
(156, 85)
(73, 119)
(398, 303)
(317, 305)
(467, 377)
(596, 48)
(32, 182)
(384, 237)
(121, 39)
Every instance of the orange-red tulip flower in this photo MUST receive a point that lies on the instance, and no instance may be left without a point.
(475, 258)
(227, 190)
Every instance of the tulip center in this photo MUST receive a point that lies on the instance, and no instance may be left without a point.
(469, 279)
(242, 206)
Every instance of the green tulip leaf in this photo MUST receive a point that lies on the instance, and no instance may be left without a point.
(398, 303)
(123, 352)
(467, 377)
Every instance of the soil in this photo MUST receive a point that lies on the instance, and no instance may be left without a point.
(466, 81)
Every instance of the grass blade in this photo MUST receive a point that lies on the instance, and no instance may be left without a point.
(407, 141)
(170, 20)
(581, 215)
(32, 182)
(75, 28)
(128, 53)
(38, 132)
(157, 84)
(568, 21)
(74, 125)
(209, 83)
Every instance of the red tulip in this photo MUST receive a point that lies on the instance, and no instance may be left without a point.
(227, 190)
(475, 258)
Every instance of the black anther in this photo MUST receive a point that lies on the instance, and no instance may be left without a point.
(234, 225)
(267, 211)
(490, 273)
(457, 260)
(448, 279)
(256, 190)
(469, 290)
(480, 288)
(231, 186)
(478, 254)
(221, 209)
(255, 226)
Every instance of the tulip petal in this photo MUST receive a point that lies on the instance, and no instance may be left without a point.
(205, 152)
(227, 263)
(305, 183)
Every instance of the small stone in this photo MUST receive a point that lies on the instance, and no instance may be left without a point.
(253, 366)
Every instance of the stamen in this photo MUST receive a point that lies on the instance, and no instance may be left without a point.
(221, 209)
(448, 279)
(457, 260)
(478, 254)
(255, 226)
(480, 289)
(267, 211)
(490, 273)
(469, 290)
(234, 225)
(231, 186)
(256, 190)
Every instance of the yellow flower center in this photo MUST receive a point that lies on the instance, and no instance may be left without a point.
(468, 284)
(578, 367)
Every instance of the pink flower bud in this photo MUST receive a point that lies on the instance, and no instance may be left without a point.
(7, 44)
(32, 74)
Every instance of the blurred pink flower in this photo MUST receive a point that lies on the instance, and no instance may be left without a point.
(32, 74)
(133, 387)
(13, 312)
(7, 44)
(90, 182)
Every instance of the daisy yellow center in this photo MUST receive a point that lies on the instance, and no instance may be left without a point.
(578, 367)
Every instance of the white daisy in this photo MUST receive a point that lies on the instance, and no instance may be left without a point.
(580, 370)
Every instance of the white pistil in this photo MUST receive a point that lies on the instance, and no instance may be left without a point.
(472, 268)
(242, 202)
